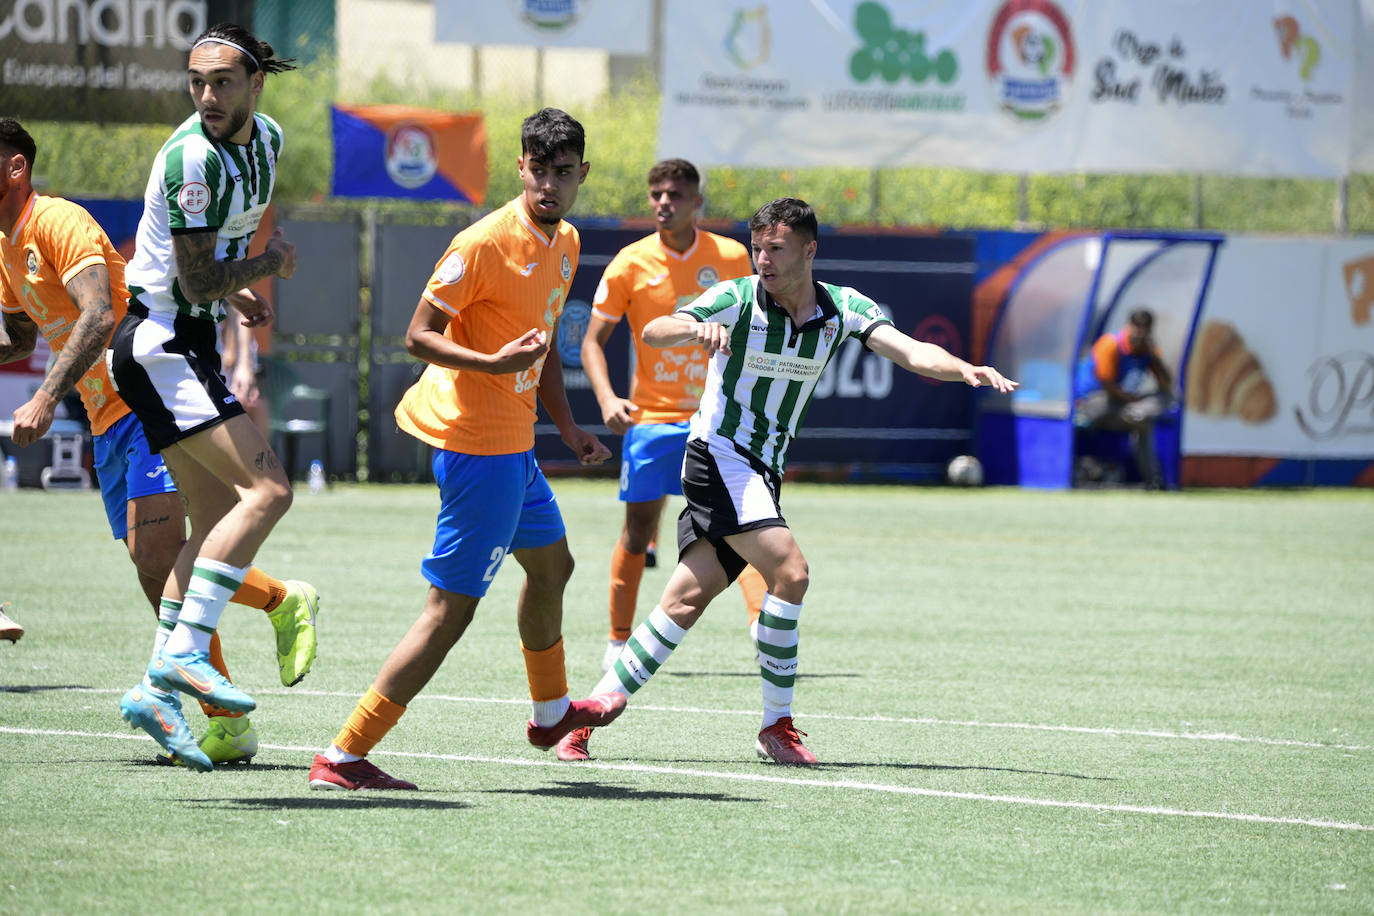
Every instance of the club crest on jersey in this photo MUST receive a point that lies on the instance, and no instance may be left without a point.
(31, 261)
(194, 197)
(565, 269)
(451, 270)
(707, 277)
(829, 333)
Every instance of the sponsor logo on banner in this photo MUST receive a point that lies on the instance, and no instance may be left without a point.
(156, 24)
(412, 154)
(748, 44)
(1340, 399)
(1030, 58)
(1300, 54)
(749, 41)
(1138, 61)
(707, 277)
(895, 56)
(552, 15)
(1359, 288)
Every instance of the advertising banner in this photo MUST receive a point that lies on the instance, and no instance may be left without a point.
(103, 60)
(1230, 86)
(1282, 364)
(610, 25)
(400, 151)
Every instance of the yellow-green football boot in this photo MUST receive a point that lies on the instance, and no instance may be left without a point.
(294, 621)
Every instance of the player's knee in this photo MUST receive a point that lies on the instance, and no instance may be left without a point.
(153, 561)
(636, 538)
(791, 580)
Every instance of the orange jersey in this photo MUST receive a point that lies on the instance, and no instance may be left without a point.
(647, 279)
(499, 278)
(53, 241)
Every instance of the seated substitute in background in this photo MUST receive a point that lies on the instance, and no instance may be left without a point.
(1110, 378)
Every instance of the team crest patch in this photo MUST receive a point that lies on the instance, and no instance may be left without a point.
(194, 197)
(565, 269)
(31, 261)
(829, 333)
(452, 268)
(707, 277)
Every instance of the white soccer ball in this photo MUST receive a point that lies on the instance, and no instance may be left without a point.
(965, 471)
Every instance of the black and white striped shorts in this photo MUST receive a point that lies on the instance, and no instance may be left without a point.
(727, 493)
(168, 371)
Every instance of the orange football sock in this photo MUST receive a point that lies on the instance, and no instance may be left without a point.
(754, 588)
(545, 670)
(372, 718)
(217, 660)
(627, 569)
(260, 590)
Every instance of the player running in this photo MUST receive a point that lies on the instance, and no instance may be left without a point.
(61, 276)
(768, 337)
(646, 279)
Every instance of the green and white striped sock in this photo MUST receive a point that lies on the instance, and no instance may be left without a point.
(167, 613)
(212, 585)
(777, 637)
(647, 648)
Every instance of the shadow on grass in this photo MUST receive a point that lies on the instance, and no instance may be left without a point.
(597, 791)
(226, 768)
(332, 801)
(753, 673)
(40, 688)
(829, 765)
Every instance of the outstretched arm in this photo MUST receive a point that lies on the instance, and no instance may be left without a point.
(932, 360)
(90, 290)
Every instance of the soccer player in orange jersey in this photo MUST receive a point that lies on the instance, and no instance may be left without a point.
(484, 324)
(61, 276)
(646, 279)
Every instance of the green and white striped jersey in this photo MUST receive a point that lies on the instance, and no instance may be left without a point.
(198, 184)
(757, 396)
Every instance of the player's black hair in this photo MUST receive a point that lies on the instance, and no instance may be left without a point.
(675, 170)
(15, 139)
(1143, 319)
(791, 212)
(260, 54)
(551, 131)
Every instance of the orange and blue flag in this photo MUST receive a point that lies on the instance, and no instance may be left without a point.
(401, 151)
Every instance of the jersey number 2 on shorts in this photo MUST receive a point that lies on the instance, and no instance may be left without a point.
(497, 555)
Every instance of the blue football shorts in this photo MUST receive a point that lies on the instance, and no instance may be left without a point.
(489, 505)
(651, 461)
(127, 470)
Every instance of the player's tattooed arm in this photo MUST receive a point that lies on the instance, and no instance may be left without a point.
(203, 278)
(18, 336)
(89, 337)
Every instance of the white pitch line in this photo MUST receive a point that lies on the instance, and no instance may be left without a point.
(1229, 737)
(849, 784)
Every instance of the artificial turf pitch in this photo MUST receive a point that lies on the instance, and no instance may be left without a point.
(1105, 702)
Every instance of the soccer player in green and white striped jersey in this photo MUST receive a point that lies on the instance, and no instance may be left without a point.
(769, 336)
(209, 187)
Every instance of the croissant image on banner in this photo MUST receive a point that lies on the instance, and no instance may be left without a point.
(1226, 379)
